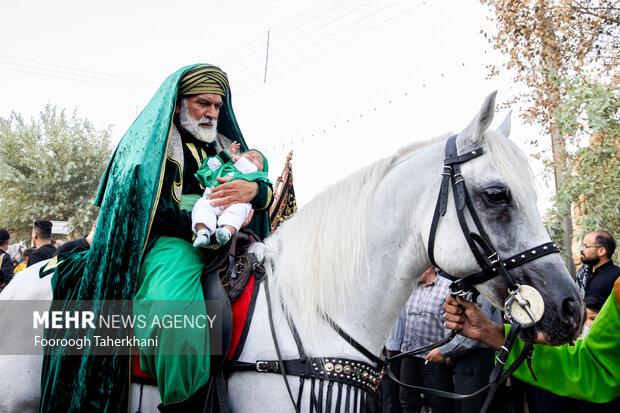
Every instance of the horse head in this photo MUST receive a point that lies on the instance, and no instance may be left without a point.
(356, 251)
(502, 194)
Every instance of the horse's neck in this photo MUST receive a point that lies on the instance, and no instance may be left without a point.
(396, 251)
(398, 223)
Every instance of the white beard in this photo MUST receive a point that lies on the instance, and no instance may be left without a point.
(192, 125)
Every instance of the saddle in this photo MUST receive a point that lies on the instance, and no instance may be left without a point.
(223, 280)
(232, 264)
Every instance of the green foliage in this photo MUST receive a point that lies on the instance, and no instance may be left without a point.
(590, 121)
(50, 168)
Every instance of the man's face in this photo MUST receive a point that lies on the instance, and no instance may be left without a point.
(198, 115)
(590, 250)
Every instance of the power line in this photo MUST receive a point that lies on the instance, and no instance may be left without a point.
(302, 12)
(344, 41)
(252, 64)
(284, 59)
(84, 72)
(299, 51)
(332, 47)
(284, 35)
(92, 81)
(260, 38)
(311, 20)
(332, 22)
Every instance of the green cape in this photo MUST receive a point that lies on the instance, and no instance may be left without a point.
(128, 198)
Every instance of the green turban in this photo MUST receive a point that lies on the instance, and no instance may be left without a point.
(204, 79)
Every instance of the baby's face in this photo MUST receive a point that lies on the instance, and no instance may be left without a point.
(255, 157)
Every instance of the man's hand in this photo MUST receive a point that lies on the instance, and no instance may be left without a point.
(238, 191)
(469, 320)
(435, 356)
(248, 219)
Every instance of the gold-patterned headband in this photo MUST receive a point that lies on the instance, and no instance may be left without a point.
(204, 79)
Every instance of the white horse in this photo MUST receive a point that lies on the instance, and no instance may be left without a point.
(356, 252)
(21, 374)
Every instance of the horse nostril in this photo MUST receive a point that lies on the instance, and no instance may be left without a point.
(571, 310)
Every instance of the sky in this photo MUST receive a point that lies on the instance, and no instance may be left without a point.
(340, 83)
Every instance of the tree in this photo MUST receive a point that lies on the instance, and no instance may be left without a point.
(589, 119)
(50, 169)
(544, 39)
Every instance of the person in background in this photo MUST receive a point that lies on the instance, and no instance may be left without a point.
(83, 242)
(593, 307)
(22, 265)
(56, 243)
(6, 262)
(389, 389)
(472, 363)
(424, 326)
(597, 275)
(42, 240)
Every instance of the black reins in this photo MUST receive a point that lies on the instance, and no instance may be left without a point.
(366, 377)
(491, 266)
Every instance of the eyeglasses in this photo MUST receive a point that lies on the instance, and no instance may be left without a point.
(586, 246)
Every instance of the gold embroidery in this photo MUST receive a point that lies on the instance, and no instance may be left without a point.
(198, 156)
(159, 185)
(53, 263)
(177, 186)
(269, 196)
(192, 148)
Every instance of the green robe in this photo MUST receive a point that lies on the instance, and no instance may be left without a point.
(589, 370)
(129, 196)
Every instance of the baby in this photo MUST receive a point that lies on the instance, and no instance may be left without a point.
(208, 220)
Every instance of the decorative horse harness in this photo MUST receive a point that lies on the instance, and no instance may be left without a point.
(364, 378)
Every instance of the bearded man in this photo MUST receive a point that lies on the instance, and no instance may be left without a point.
(597, 275)
(142, 245)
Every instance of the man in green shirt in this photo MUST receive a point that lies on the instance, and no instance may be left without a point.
(589, 370)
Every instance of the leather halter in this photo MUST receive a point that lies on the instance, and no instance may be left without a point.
(479, 242)
(491, 264)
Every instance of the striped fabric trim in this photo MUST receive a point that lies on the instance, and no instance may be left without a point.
(204, 79)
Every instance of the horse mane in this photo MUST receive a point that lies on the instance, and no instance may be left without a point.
(319, 253)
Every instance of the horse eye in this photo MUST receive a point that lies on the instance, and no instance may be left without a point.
(498, 195)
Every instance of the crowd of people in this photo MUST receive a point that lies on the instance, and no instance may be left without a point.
(464, 364)
(44, 248)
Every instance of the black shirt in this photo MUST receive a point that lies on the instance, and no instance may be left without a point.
(42, 253)
(603, 279)
(71, 245)
(6, 268)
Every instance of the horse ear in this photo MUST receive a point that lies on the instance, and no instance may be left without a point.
(504, 128)
(472, 134)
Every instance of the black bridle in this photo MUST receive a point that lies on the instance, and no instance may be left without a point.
(480, 244)
(491, 266)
